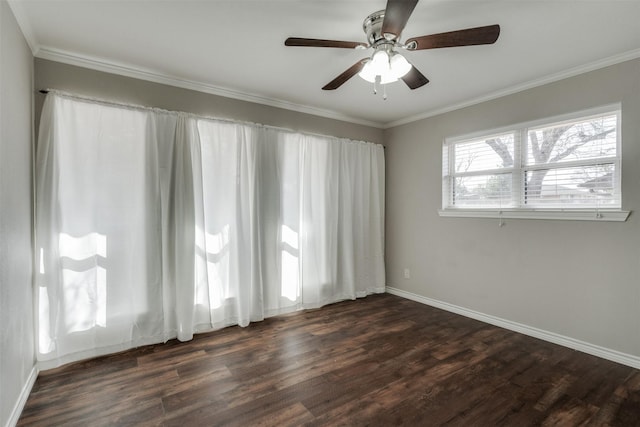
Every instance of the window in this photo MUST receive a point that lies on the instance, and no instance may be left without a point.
(563, 164)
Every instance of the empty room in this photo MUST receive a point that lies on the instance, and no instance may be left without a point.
(298, 212)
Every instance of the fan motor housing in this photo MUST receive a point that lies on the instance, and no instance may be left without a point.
(372, 27)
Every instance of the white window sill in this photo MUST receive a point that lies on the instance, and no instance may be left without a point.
(561, 214)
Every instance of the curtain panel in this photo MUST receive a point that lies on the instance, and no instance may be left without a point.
(152, 225)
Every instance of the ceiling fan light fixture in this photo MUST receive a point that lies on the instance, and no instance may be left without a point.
(388, 68)
(384, 29)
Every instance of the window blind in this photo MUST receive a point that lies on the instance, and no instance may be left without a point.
(570, 162)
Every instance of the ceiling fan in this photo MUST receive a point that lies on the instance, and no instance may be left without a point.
(383, 30)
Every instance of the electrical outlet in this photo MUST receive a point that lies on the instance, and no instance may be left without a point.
(407, 273)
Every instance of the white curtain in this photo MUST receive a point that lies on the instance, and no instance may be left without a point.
(152, 225)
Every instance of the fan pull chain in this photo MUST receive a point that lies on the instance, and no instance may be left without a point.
(377, 82)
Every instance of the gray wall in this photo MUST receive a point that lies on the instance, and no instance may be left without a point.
(16, 314)
(576, 279)
(83, 81)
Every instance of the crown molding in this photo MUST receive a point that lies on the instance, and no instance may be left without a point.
(128, 70)
(592, 66)
(99, 64)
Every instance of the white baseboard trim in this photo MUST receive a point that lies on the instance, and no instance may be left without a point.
(22, 399)
(585, 347)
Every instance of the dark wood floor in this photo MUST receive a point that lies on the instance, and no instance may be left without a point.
(378, 361)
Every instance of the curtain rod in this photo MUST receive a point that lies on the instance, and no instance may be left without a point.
(139, 107)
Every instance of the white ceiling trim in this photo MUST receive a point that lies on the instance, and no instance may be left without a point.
(100, 64)
(150, 75)
(612, 60)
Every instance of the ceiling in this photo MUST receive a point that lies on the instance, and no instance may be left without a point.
(236, 48)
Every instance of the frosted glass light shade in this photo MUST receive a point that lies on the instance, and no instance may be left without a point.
(389, 69)
(399, 66)
(380, 63)
(367, 72)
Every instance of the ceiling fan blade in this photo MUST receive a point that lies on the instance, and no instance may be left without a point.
(342, 78)
(297, 41)
(414, 78)
(396, 16)
(468, 37)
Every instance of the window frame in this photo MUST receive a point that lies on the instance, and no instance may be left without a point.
(519, 210)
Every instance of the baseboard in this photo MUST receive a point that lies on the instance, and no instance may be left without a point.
(22, 399)
(585, 347)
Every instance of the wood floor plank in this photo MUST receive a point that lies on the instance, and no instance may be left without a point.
(377, 361)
